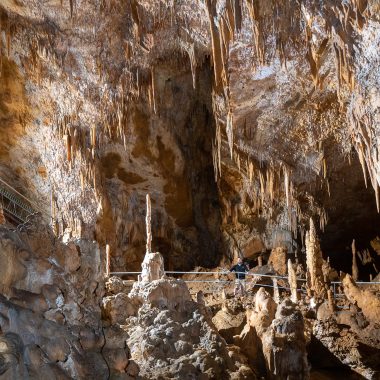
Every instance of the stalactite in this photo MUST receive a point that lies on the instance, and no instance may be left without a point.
(53, 210)
(230, 132)
(262, 187)
(270, 184)
(286, 185)
(68, 147)
(259, 41)
(71, 8)
(108, 260)
(193, 63)
(153, 91)
(215, 42)
(8, 35)
(361, 159)
(250, 166)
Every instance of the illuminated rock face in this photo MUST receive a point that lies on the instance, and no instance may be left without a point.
(238, 138)
(152, 267)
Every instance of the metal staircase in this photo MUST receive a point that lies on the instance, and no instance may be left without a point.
(16, 207)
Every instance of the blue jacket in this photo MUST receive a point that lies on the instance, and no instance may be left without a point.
(240, 271)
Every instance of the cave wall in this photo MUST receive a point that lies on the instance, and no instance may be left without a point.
(106, 101)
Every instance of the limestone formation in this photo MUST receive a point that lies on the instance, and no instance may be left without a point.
(276, 291)
(2, 217)
(284, 344)
(355, 272)
(152, 268)
(278, 260)
(148, 223)
(292, 278)
(366, 300)
(314, 263)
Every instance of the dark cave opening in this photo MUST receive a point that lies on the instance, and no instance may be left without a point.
(352, 214)
(192, 200)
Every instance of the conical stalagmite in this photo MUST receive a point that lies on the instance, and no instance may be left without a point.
(2, 217)
(331, 300)
(314, 263)
(292, 278)
(152, 267)
(355, 271)
(276, 291)
(108, 260)
(148, 222)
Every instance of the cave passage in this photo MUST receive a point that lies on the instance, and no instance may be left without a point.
(352, 214)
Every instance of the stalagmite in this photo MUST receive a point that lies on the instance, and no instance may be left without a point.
(276, 291)
(2, 217)
(355, 272)
(148, 221)
(108, 260)
(292, 278)
(331, 301)
(314, 263)
(260, 261)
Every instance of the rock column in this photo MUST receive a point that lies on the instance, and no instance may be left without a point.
(314, 262)
(292, 282)
(153, 264)
(355, 271)
(2, 217)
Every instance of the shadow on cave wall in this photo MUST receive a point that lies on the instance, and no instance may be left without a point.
(193, 199)
(352, 214)
(170, 157)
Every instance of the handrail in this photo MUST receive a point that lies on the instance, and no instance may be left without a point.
(210, 273)
(22, 196)
(246, 273)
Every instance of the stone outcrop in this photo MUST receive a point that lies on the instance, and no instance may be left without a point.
(50, 322)
(365, 299)
(284, 344)
(171, 335)
(275, 334)
(278, 260)
(152, 267)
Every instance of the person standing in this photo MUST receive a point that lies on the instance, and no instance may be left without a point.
(240, 270)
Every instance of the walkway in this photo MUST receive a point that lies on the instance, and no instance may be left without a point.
(16, 206)
(220, 282)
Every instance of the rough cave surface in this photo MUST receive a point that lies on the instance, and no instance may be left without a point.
(254, 127)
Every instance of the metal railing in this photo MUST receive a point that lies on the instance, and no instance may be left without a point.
(17, 207)
(220, 282)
